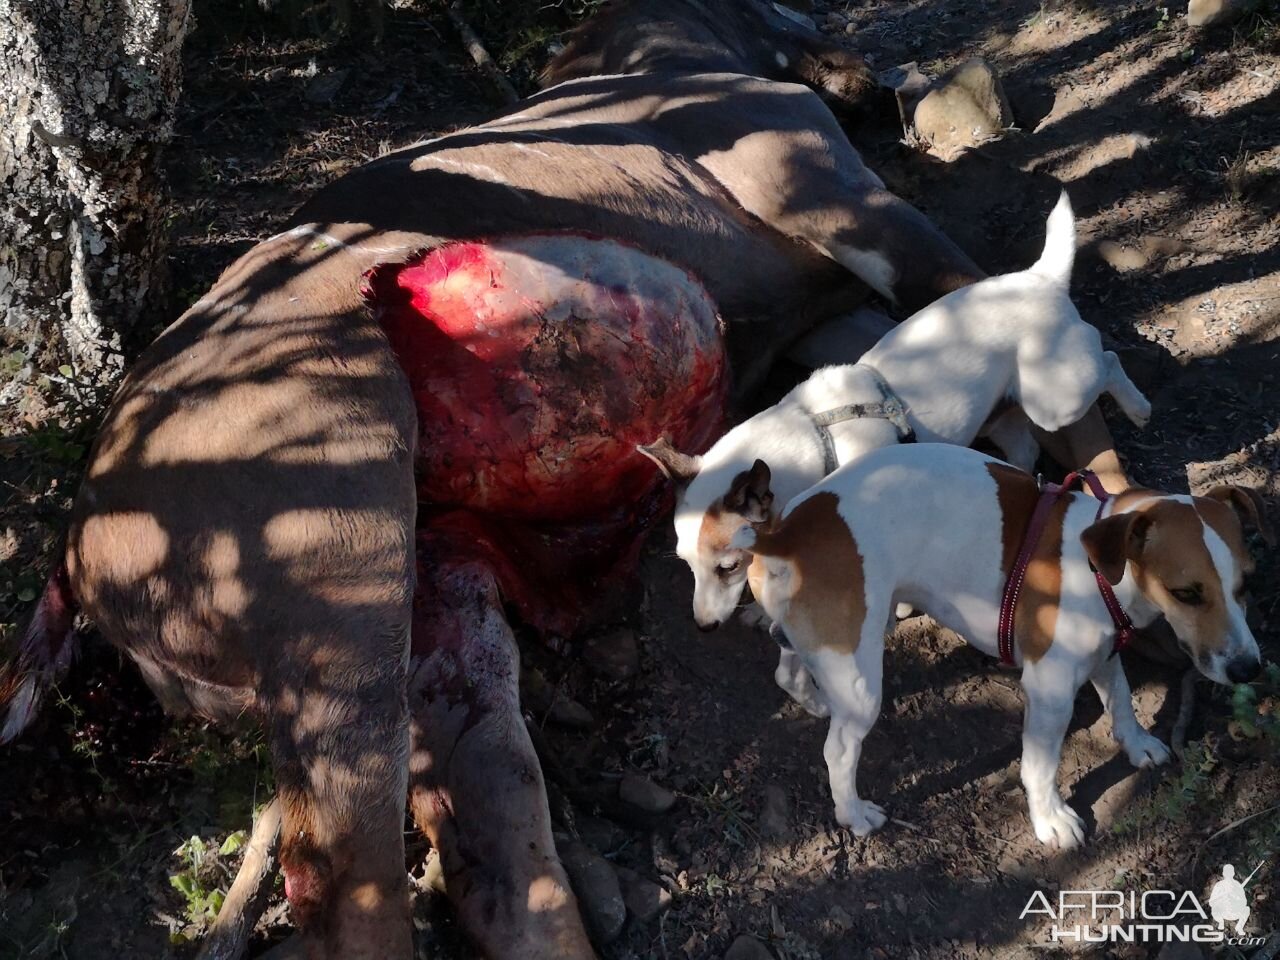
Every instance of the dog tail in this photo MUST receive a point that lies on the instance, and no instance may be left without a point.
(43, 653)
(745, 539)
(1059, 245)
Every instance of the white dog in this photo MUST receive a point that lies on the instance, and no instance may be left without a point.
(941, 374)
(943, 528)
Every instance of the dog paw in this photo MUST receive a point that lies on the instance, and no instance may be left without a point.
(1061, 827)
(1144, 750)
(861, 817)
(753, 615)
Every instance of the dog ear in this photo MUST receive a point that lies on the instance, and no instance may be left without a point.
(675, 466)
(1111, 543)
(749, 494)
(1248, 504)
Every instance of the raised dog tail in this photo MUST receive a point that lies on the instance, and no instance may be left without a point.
(1059, 245)
(43, 653)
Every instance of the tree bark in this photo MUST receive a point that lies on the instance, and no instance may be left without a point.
(88, 90)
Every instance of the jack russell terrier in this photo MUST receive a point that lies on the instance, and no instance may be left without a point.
(1052, 582)
(938, 376)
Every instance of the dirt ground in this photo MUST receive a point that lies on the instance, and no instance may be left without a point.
(1169, 142)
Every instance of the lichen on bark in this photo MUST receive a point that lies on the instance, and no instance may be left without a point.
(88, 90)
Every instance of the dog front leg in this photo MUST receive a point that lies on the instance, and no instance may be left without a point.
(1112, 685)
(475, 785)
(1050, 697)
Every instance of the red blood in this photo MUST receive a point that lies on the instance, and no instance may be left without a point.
(537, 364)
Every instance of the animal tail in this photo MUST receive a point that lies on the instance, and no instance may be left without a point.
(1059, 245)
(760, 540)
(44, 651)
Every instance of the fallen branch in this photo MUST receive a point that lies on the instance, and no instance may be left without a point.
(229, 936)
(481, 55)
(1186, 707)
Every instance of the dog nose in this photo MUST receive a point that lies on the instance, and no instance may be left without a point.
(708, 627)
(1243, 669)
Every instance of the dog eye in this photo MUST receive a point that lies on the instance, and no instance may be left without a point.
(1191, 596)
(729, 566)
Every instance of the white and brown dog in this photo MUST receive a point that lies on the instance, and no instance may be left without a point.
(941, 374)
(941, 527)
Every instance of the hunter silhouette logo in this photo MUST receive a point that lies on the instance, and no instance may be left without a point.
(1149, 916)
(1227, 900)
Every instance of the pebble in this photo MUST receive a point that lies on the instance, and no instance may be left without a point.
(775, 815)
(643, 794)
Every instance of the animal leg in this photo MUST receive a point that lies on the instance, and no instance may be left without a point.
(339, 745)
(1112, 685)
(1086, 443)
(1135, 406)
(796, 681)
(1011, 432)
(1050, 697)
(476, 789)
(851, 686)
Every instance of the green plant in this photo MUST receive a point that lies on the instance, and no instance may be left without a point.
(1181, 791)
(1255, 707)
(204, 875)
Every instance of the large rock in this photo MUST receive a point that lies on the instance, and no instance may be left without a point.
(966, 107)
(644, 898)
(614, 655)
(1207, 13)
(747, 948)
(595, 883)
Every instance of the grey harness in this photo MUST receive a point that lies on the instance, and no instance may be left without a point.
(889, 407)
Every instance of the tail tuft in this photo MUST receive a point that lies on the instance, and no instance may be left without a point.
(42, 656)
(744, 539)
(1059, 245)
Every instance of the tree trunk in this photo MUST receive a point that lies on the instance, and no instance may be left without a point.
(87, 96)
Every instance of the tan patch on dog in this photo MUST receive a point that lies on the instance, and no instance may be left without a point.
(718, 527)
(828, 599)
(1174, 556)
(1036, 616)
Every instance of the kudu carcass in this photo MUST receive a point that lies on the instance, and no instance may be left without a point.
(246, 530)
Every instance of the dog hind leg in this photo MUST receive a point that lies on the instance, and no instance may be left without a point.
(1131, 400)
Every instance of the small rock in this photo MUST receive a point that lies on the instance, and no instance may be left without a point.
(325, 87)
(643, 794)
(644, 898)
(599, 894)
(1180, 951)
(615, 655)
(544, 700)
(775, 815)
(600, 834)
(965, 107)
(1123, 259)
(747, 948)
(570, 713)
(840, 918)
(1205, 13)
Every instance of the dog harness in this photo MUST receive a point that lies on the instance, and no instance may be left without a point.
(1050, 494)
(890, 407)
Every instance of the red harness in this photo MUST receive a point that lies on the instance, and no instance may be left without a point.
(1051, 494)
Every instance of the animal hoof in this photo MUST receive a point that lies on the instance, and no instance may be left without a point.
(1061, 828)
(1146, 751)
(862, 817)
